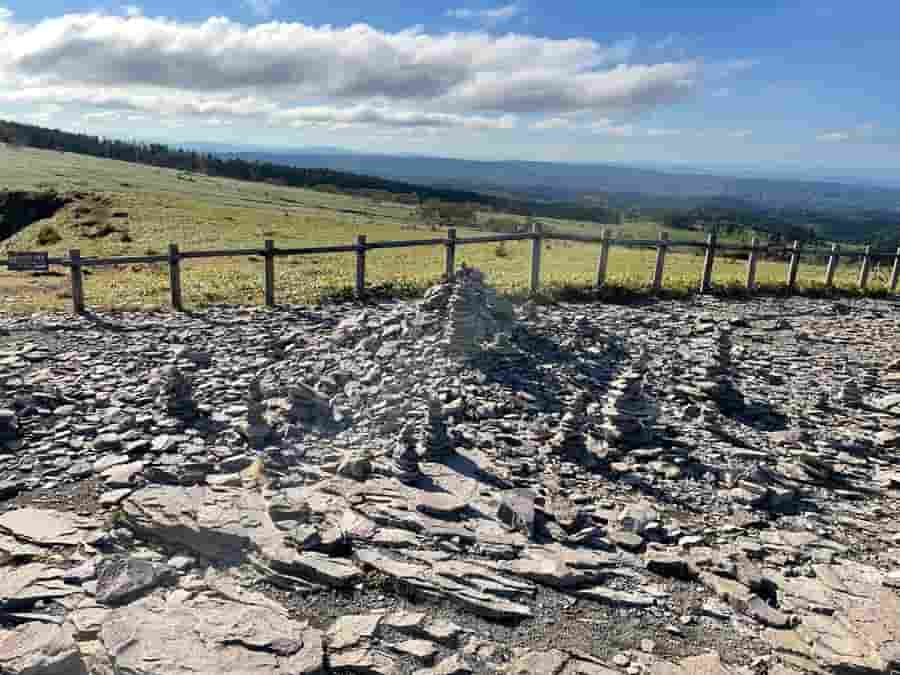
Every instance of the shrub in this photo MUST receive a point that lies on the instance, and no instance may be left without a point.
(47, 236)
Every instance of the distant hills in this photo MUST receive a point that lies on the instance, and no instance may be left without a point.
(602, 193)
(621, 186)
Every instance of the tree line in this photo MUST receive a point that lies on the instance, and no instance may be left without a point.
(161, 155)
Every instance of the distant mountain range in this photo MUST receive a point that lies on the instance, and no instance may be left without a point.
(616, 185)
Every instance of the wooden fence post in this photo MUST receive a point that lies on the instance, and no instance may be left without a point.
(833, 261)
(536, 246)
(751, 264)
(450, 257)
(77, 281)
(270, 272)
(603, 260)
(865, 268)
(895, 273)
(175, 277)
(660, 261)
(360, 266)
(794, 266)
(706, 281)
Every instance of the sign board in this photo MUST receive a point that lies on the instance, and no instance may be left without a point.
(28, 262)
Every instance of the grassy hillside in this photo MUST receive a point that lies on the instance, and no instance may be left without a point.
(127, 209)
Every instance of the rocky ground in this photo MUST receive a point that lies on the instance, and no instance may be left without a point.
(453, 486)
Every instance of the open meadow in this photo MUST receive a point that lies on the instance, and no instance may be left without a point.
(123, 209)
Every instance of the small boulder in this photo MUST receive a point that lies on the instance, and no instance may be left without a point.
(121, 580)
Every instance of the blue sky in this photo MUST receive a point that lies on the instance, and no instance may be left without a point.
(790, 83)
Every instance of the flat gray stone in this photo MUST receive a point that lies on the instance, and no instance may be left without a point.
(47, 528)
(121, 580)
(207, 634)
(40, 649)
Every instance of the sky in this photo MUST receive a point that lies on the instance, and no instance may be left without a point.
(807, 84)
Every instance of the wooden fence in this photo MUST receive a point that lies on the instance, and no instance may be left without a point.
(537, 236)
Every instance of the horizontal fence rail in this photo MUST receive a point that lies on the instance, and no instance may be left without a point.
(269, 252)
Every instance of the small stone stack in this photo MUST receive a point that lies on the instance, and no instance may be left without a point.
(256, 430)
(709, 419)
(174, 391)
(434, 441)
(869, 379)
(569, 437)
(628, 417)
(9, 426)
(851, 396)
(406, 458)
(460, 336)
(305, 405)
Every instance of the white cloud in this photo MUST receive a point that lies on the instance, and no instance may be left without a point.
(354, 75)
(489, 16)
(740, 133)
(132, 10)
(5, 14)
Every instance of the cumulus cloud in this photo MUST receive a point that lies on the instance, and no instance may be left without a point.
(489, 16)
(353, 75)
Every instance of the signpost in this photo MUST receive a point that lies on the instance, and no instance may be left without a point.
(28, 262)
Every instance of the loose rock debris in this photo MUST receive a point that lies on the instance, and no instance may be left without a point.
(455, 485)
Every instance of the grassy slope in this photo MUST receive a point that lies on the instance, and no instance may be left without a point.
(198, 212)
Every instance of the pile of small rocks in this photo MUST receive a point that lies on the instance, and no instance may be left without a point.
(174, 391)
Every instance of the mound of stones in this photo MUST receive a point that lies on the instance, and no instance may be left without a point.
(540, 489)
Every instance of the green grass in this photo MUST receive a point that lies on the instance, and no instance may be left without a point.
(198, 212)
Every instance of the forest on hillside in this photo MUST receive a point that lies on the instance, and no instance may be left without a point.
(157, 154)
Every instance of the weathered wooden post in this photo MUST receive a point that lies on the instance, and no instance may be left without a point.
(865, 268)
(603, 260)
(751, 264)
(536, 246)
(895, 273)
(833, 261)
(661, 247)
(175, 277)
(77, 281)
(450, 257)
(360, 266)
(706, 280)
(793, 267)
(270, 272)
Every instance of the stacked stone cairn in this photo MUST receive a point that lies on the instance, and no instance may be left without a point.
(174, 391)
(470, 309)
(570, 437)
(256, 430)
(629, 418)
(434, 442)
(851, 396)
(9, 427)
(869, 379)
(305, 405)
(406, 457)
